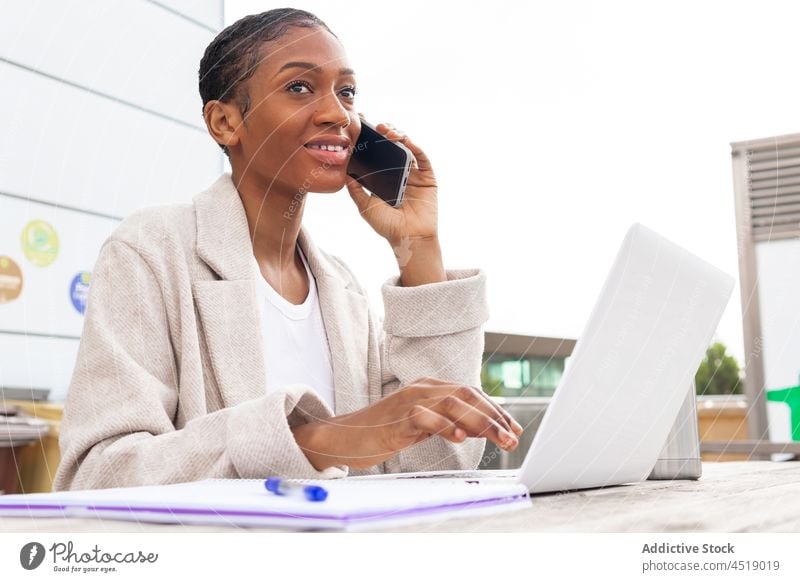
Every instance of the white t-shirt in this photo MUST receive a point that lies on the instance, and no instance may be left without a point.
(295, 344)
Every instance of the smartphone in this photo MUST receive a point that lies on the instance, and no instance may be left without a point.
(380, 165)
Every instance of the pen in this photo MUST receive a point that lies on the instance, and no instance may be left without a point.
(280, 486)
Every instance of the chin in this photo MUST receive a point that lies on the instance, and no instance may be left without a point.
(327, 186)
(321, 190)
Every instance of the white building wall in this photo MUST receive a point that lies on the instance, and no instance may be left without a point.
(102, 115)
(779, 305)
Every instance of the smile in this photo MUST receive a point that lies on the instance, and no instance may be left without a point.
(334, 155)
(330, 148)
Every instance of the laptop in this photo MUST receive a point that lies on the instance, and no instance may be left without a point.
(627, 378)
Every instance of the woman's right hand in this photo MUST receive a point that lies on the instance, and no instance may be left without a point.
(406, 417)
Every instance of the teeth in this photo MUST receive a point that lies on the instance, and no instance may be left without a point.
(330, 148)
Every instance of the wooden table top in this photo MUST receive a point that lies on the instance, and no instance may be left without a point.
(755, 496)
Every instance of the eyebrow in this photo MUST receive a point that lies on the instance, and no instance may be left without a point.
(306, 65)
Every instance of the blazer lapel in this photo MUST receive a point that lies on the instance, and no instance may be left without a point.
(345, 315)
(228, 307)
(229, 311)
(229, 315)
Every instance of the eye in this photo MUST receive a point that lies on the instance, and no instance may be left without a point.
(296, 84)
(352, 90)
(300, 83)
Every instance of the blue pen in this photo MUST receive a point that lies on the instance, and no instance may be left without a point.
(280, 486)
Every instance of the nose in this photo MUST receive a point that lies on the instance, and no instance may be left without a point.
(329, 110)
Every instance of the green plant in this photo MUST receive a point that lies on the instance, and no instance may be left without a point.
(491, 386)
(718, 372)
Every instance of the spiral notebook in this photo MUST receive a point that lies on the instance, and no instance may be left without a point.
(351, 504)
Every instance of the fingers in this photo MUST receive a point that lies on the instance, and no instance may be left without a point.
(431, 422)
(421, 159)
(475, 397)
(511, 423)
(471, 397)
(365, 203)
(474, 421)
(391, 131)
(358, 194)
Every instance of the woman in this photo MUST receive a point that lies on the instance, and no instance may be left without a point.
(219, 341)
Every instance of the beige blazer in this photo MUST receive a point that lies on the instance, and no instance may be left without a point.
(169, 383)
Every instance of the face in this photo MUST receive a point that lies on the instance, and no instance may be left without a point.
(302, 123)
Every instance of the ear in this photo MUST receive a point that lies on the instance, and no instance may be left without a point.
(223, 121)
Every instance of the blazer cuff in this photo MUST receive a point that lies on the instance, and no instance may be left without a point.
(445, 307)
(270, 449)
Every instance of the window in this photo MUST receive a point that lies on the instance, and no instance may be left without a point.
(508, 376)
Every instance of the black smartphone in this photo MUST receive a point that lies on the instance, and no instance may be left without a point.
(380, 165)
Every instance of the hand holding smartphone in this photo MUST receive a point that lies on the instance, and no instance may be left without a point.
(380, 165)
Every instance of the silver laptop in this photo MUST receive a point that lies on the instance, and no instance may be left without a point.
(626, 380)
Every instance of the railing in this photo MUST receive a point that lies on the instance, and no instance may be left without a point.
(722, 422)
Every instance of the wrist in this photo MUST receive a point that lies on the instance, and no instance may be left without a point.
(332, 442)
(420, 261)
(417, 242)
(316, 441)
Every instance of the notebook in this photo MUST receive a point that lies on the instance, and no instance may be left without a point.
(351, 505)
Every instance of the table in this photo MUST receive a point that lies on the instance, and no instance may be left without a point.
(737, 496)
(10, 451)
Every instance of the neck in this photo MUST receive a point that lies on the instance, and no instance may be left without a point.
(274, 216)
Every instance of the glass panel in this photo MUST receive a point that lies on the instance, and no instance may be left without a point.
(506, 376)
(511, 374)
